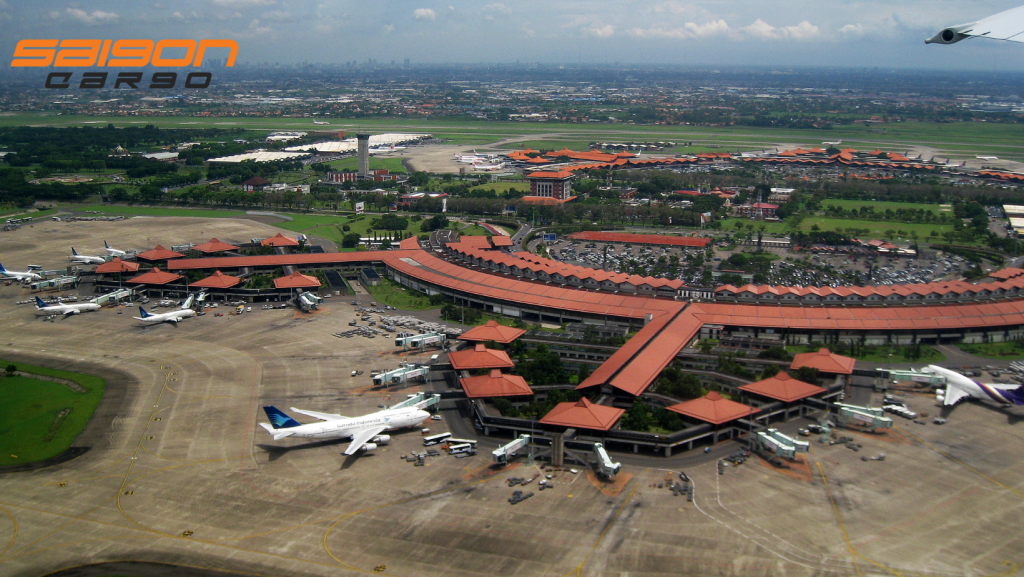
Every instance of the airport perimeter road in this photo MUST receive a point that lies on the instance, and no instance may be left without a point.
(180, 472)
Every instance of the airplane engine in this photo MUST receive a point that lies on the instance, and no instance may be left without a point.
(75, 312)
(381, 439)
(369, 448)
(950, 35)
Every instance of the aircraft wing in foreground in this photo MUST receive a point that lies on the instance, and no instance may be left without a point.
(1008, 25)
(361, 438)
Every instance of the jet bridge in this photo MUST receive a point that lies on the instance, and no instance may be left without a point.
(781, 444)
(402, 374)
(421, 341)
(420, 401)
(502, 455)
(866, 418)
(59, 283)
(605, 467)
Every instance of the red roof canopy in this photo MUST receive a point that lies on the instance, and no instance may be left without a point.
(825, 361)
(296, 280)
(480, 357)
(713, 408)
(217, 280)
(1002, 274)
(549, 174)
(538, 160)
(783, 387)
(583, 414)
(214, 246)
(496, 384)
(117, 265)
(155, 276)
(500, 240)
(279, 240)
(159, 253)
(492, 331)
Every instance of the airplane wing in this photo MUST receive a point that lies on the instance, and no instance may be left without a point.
(1008, 25)
(321, 416)
(360, 439)
(953, 395)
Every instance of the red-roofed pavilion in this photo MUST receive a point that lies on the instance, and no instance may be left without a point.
(480, 357)
(496, 384)
(296, 280)
(214, 246)
(825, 361)
(158, 253)
(217, 280)
(492, 331)
(583, 415)
(785, 388)
(116, 265)
(155, 277)
(715, 409)
(279, 240)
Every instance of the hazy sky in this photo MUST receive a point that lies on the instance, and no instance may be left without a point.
(717, 32)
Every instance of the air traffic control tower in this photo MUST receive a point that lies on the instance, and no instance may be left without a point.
(364, 154)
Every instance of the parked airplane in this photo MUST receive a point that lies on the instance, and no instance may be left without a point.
(835, 143)
(113, 251)
(321, 122)
(1007, 25)
(85, 259)
(959, 387)
(488, 167)
(26, 276)
(171, 316)
(364, 431)
(64, 309)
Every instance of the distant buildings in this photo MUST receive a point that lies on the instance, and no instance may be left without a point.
(554, 185)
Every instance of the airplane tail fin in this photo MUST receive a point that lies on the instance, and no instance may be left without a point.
(278, 435)
(143, 312)
(105, 245)
(2, 269)
(40, 303)
(279, 419)
(73, 251)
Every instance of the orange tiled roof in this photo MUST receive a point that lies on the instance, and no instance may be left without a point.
(116, 265)
(713, 408)
(155, 276)
(783, 387)
(279, 240)
(583, 415)
(496, 384)
(214, 246)
(492, 331)
(480, 357)
(217, 280)
(825, 361)
(159, 253)
(296, 280)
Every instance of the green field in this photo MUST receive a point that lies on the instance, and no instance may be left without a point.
(875, 228)
(155, 211)
(1011, 350)
(501, 187)
(394, 294)
(770, 228)
(882, 206)
(971, 138)
(29, 426)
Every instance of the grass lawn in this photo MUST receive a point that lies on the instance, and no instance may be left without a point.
(770, 228)
(880, 354)
(29, 430)
(1006, 351)
(20, 213)
(151, 211)
(882, 206)
(394, 294)
(876, 228)
(503, 187)
(474, 230)
(352, 163)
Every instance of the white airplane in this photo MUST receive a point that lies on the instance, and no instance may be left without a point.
(171, 316)
(321, 122)
(64, 309)
(488, 167)
(364, 431)
(959, 387)
(26, 276)
(836, 143)
(1008, 25)
(113, 251)
(85, 259)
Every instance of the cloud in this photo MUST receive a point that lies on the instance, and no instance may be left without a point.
(852, 29)
(257, 27)
(686, 31)
(244, 3)
(498, 7)
(424, 14)
(94, 17)
(602, 32)
(765, 31)
(389, 28)
(278, 16)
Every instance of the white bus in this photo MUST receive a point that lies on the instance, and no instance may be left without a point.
(454, 441)
(461, 448)
(435, 439)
